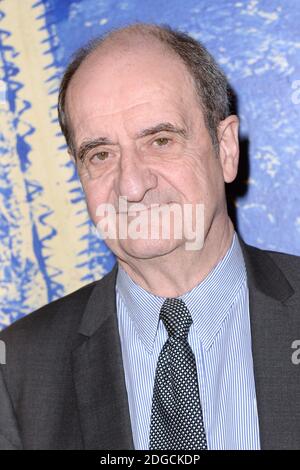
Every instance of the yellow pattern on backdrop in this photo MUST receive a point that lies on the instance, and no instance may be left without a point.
(47, 164)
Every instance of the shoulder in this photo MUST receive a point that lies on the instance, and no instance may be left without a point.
(59, 317)
(57, 311)
(288, 264)
(287, 261)
(40, 344)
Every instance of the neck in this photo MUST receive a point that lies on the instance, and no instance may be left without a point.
(178, 272)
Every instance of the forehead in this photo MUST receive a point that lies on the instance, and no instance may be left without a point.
(130, 83)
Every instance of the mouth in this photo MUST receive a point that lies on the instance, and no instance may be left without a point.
(138, 211)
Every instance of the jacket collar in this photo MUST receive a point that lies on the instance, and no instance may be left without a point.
(98, 368)
(99, 375)
(263, 274)
(272, 319)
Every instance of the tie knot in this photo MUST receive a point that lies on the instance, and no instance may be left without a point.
(176, 317)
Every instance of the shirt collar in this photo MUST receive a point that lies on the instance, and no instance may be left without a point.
(209, 302)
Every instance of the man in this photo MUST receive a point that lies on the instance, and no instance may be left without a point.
(176, 348)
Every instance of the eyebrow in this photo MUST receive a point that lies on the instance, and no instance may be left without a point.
(163, 126)
(89, 144)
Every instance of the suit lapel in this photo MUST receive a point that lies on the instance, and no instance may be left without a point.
(273, 331)
(99, 375)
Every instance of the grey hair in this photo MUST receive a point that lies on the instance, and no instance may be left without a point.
(211, 84)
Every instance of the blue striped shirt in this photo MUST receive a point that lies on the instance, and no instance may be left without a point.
(220, 338)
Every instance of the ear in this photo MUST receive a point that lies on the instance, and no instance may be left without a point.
(229, 147)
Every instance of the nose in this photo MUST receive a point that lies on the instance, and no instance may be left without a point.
(135, 177)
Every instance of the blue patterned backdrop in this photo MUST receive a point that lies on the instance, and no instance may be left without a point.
(48, 246)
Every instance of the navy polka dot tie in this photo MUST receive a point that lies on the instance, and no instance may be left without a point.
(176, 415)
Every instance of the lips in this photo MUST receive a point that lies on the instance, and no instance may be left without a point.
(138, 211)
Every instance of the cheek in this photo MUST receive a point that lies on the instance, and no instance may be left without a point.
(191, 179)
(200, 183)
(96, 194)
(92, 204)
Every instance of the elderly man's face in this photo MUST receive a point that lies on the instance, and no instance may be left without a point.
(139, 133)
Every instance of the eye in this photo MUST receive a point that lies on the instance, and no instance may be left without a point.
(99, 156)
(161, 141)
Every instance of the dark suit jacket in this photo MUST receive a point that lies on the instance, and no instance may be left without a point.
(63, 384)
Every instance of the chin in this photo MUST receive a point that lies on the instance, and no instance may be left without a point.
(146, 249)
